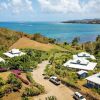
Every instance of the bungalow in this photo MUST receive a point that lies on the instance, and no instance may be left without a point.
(2, 60)
(14, 53)
(94, 81)
(82, 74)
(84, 55)
(80, 63)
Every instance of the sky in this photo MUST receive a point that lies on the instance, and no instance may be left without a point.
(48, 10)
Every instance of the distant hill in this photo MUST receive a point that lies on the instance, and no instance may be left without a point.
(84, 21)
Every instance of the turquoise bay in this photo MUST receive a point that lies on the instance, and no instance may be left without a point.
(60, 31)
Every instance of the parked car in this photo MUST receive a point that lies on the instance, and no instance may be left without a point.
(55, 80)
(78, 96)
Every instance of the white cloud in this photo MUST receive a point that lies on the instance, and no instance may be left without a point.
(17, 6)
(92, 6)
(3, 6)
(70, 6)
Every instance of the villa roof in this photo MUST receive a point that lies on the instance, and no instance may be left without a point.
(80, 61)
(81, 72)
(84, 55)
(94, 78)
(89, 66)
(13, 53)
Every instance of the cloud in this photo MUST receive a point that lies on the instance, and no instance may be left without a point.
(3, 5)
(17, 6)
(70, 6)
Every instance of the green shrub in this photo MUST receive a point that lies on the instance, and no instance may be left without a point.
(40, 87)
(29, 77)
(2, 82)
(5, 89)
(33, 91)
(14, 81)
(51, 98)
(25, 98)
(31, 80)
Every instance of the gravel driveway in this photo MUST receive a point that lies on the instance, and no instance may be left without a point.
(61, 92)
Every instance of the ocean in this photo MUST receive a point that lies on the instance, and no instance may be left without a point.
(60, 31)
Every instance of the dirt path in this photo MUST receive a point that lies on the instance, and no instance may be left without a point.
(61, 92)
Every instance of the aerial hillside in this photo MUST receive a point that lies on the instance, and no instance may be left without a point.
(25, 42)
(12, 39)
(8, 37)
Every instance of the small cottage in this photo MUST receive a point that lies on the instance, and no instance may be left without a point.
(82, 74)
(93, 81)
(14, 53)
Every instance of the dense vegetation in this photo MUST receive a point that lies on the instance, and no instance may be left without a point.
(26, 62)
(29, 61)
(40, 38)
(12, 84)
(56, 68)
(8, 37)
(34, 89)
(69, 76)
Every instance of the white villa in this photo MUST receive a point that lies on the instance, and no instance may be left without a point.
(80, 63)
(14, 53)
(93, 81)
(83, 55)
(2, 60)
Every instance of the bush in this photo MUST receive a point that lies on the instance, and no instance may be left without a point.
(5, 89)
(70, 84)
(51, 98)
(23, 80)
(25, 98)
(2, 82)
(29, 77)
(33, 91)
(14, 81)
(40, 87)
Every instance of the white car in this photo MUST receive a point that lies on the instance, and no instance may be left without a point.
(78, 96)
(55, 80)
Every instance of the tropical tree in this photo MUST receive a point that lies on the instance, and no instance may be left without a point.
(75, 41)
